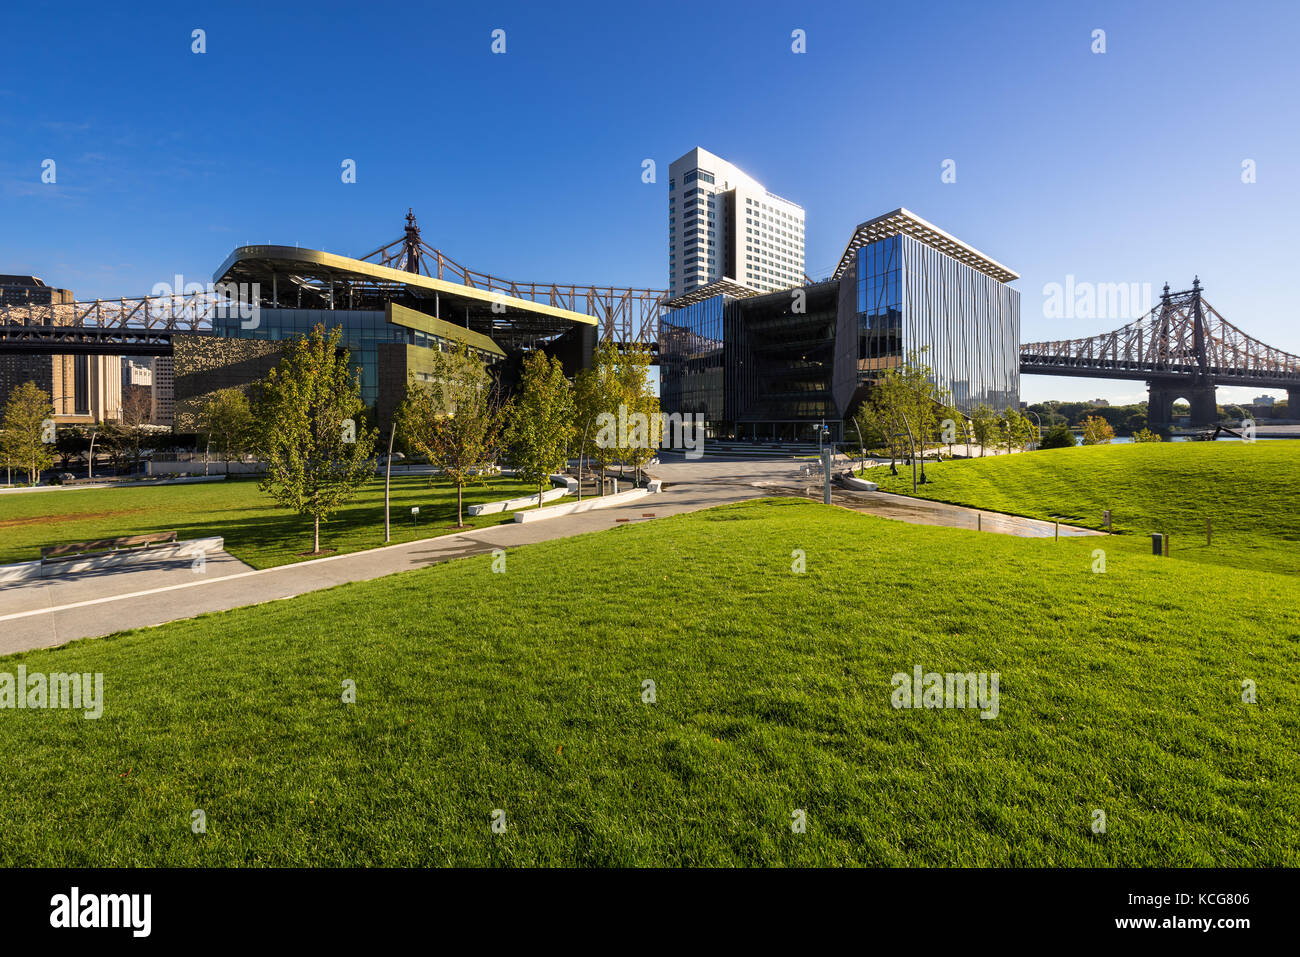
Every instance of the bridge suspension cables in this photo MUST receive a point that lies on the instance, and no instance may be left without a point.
(1182, 347)
(627, 315)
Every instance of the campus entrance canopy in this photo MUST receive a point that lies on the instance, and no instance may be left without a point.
(287, 277)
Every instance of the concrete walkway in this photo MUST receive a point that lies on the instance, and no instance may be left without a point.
(54, 611)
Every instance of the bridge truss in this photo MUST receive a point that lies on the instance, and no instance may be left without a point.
(628, 316)
(1183, 336)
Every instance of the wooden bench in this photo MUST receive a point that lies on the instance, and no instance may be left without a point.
(103, 546)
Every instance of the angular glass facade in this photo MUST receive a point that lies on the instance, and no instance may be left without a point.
(691, 359)
(778, 364)
(911, 296)
(880, 305)
(363, 331)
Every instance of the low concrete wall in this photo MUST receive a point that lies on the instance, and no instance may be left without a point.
(182, 480)
(586, 505)
(212, 468)
(568, 482)
(185, 551)
(861, 485)
(510, 504)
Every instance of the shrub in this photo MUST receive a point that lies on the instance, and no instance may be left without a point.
(1058, 437)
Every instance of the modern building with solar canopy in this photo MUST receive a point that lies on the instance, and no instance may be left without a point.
(780, 364)
(396, 305)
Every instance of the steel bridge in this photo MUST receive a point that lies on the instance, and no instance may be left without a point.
(144, 325)
(1181, 348)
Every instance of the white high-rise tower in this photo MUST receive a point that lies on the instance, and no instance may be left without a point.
(723, 224)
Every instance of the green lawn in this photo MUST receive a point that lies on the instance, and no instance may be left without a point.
(1248, 491)
(522, 692)
(255, 529)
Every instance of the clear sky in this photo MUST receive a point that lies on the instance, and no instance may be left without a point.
(1117, 167)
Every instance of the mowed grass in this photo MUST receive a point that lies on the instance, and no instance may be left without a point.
(256, 530)
(523, 692)
(1250, 492)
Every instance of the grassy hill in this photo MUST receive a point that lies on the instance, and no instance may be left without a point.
(522, 692)
(256, 529)
(1250, 492)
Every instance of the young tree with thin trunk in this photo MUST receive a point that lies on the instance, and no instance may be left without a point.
(642, 408)
(1097, 431)
(454, 419)
(539, 429)
(28, 434)
(984, 424)
(137, 410)
(227, 421)
(309, 418)
(597, 392)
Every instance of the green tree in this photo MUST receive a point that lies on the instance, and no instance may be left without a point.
(1017, 429)
(1058, 436)
(1146, 435)
(984, 425)
(29, 435)
(539, 428)
(72, 443)
(318, 455)
(1097, 431)
(911, 407)
(869, 428)
(642, 408)
(597, 392)
(454, 419)
(226, 419)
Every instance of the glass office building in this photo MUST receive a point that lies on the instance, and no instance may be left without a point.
(779, 365)
(691, 358)
(913, 297)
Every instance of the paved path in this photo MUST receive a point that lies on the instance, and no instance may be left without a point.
(60, 609)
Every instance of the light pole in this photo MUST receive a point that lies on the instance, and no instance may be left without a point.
(1039, 420)
(388, 474)
(912, 443)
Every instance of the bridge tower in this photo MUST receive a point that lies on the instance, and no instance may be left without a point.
(1198, 389)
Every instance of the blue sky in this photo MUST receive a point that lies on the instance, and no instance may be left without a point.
(1115, 167)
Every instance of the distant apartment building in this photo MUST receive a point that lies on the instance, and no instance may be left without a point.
(164, 390)
(723, 224)
(137, 372)
(15, 369)
(83, 388)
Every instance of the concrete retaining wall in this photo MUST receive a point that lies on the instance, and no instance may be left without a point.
(212, 468)
(185, 551)
(510, 504)
(586, 505)
(861, 485)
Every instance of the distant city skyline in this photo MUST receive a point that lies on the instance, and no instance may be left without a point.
(1132, 167)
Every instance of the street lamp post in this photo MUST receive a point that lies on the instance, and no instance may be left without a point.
(1039, 420)
(912, 444)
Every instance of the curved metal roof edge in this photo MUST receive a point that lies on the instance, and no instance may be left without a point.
(317, 257)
